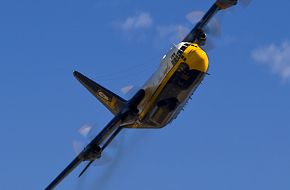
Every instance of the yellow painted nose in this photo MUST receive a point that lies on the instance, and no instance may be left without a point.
(196, 58)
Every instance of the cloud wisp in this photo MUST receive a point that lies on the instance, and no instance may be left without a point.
(277, 57)
(178, 31)
(141, 21)
(144, 21)
(142, 26)
(172, 32)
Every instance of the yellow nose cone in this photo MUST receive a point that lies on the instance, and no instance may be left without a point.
(196, 58)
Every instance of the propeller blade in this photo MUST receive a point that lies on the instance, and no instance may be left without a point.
(209, 45)
(127, 89)
(130, 90)
(214, 26)
(85, 130)
(85, 169)
(78, 146)
(104, 160)
(195, 16)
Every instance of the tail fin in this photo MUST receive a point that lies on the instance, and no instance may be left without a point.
(113, 102)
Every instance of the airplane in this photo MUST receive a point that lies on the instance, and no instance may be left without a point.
(161, 98)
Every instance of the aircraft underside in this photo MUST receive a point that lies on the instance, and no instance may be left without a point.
(172, 98)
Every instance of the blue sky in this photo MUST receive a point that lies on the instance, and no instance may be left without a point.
(234, 134)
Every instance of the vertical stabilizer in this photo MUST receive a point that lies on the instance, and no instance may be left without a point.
(113, 102)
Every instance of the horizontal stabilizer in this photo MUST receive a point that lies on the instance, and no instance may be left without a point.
(112, 101)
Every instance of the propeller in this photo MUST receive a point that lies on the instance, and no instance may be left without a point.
(86, 133)
(243, 3)
(85, 130)
(130, 90)
(213, 28)
(127, 89)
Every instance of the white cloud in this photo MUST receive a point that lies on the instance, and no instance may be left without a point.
(179, 31)
(277, 57)
(173, 32)
(142, 20)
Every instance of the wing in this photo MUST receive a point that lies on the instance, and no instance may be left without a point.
(92, 151)
(217, 6)
(64, 173)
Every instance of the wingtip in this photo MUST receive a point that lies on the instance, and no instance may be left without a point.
(77, 74)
